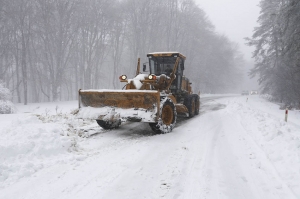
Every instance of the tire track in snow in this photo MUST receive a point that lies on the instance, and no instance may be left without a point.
(228, 164)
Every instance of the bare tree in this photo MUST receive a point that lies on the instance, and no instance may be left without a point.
(54, 47)
(56, 37)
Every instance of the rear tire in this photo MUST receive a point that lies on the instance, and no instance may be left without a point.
(190, 103)
(197, 104)
(109, 125)
(167, 117)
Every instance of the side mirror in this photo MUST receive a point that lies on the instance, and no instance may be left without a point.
(144, 67)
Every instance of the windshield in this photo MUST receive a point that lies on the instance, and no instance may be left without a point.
(161, 65)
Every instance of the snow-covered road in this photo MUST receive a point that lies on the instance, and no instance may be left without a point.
(235, 148)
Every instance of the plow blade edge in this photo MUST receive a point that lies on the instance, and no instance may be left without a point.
(134, 105)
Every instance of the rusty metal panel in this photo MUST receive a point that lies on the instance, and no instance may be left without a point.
(125, 99)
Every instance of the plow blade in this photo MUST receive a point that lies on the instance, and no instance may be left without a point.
(133, 105)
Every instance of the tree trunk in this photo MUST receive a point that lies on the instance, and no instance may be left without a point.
(24, 69)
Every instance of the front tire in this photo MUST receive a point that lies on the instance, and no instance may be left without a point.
(167, 117)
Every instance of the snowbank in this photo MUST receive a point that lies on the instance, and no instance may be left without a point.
(26, 144)
(279, 140)
(42, 136)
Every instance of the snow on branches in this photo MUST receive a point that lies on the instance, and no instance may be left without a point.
(6, 106)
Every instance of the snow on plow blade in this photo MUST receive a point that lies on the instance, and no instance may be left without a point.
(134, 105)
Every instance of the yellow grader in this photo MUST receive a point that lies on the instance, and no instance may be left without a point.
(156, 98)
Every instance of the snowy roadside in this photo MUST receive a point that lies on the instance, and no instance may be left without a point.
(279, 140)
(39, 136)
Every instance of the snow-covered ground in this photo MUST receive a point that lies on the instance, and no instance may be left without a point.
(235, 148)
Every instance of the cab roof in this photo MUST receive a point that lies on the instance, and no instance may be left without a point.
(166, 54)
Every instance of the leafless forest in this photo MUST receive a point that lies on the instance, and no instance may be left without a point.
(51, 48)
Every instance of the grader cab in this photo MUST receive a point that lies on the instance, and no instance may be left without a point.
(156, 98)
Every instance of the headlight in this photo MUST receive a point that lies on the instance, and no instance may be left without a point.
(123, 77)
(152, 77)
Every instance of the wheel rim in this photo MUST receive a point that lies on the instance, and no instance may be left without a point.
(167, 115)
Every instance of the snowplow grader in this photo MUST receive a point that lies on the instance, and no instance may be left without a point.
(157, 97)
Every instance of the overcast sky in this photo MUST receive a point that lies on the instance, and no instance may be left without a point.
(234, 18)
